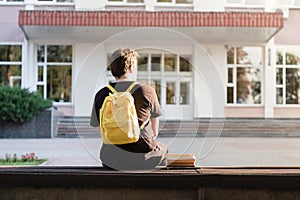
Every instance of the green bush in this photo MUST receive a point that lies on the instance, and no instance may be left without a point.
(20, 105)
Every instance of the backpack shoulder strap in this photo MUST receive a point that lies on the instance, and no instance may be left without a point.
(111, 88)
(131, 87)
(129, 90)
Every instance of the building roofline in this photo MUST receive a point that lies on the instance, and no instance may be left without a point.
(150, 19)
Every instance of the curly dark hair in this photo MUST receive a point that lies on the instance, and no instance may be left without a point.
(121, 60)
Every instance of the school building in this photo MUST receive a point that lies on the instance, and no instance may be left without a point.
(222, 58)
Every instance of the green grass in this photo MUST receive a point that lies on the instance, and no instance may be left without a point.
(4, 162)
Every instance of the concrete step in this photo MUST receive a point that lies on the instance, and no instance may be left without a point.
(80, 127)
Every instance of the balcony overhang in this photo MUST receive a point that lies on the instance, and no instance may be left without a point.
(208, 27)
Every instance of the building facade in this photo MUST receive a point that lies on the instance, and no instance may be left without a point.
(225, 58)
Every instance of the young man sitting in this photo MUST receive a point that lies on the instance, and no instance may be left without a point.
(146, 153)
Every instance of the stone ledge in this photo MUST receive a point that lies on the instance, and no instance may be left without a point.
(97, 177)
(77, 183)
(43, 125)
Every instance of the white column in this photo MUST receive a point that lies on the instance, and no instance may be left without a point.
(24, 64)
(269, 6)
(269, 79)
(30, 4)
(29, 66)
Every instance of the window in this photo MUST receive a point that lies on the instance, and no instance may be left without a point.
(288, 75)
(185, 64)
(245, 2)
(54, 72)
(143, 62)
(57, 1)
(155, 62)
(170, 91)
(184, 93)
(155, 67)
(244, 76)
(127, 1)
(44, 2)
(11, 1)
(176, 1)
(10, 65)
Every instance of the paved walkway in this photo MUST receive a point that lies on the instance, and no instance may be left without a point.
(209, 151)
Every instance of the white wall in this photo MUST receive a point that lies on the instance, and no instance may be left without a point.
(90, 75)
(209, 76)
(199, 5)
(90, 61)
(90, 4)
(10, 31)
(209, 73)
(150, 5)
(216, 5)
(209, 80)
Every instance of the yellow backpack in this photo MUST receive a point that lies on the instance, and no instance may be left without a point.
(118, 118)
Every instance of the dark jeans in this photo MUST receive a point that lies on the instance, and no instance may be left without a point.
(116, 158)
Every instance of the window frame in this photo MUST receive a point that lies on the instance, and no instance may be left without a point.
(243, 3)
(20, 63)
(123, 2)
(284, 67)
(45, 65)
(162, 72)
(6, 2)
(50, 2)
(173, 3)
(54, 2)
(234, 67)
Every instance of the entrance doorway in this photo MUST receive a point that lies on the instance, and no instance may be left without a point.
(171, 77)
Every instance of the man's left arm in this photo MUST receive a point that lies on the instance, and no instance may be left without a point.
(155, 126)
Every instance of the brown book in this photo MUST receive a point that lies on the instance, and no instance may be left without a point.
(181, 160)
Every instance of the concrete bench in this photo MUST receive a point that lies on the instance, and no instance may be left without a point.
(195, 183)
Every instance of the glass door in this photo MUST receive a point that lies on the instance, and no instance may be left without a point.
(177, 101)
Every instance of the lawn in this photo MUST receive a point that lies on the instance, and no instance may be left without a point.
(26, 160)
(4, 162)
